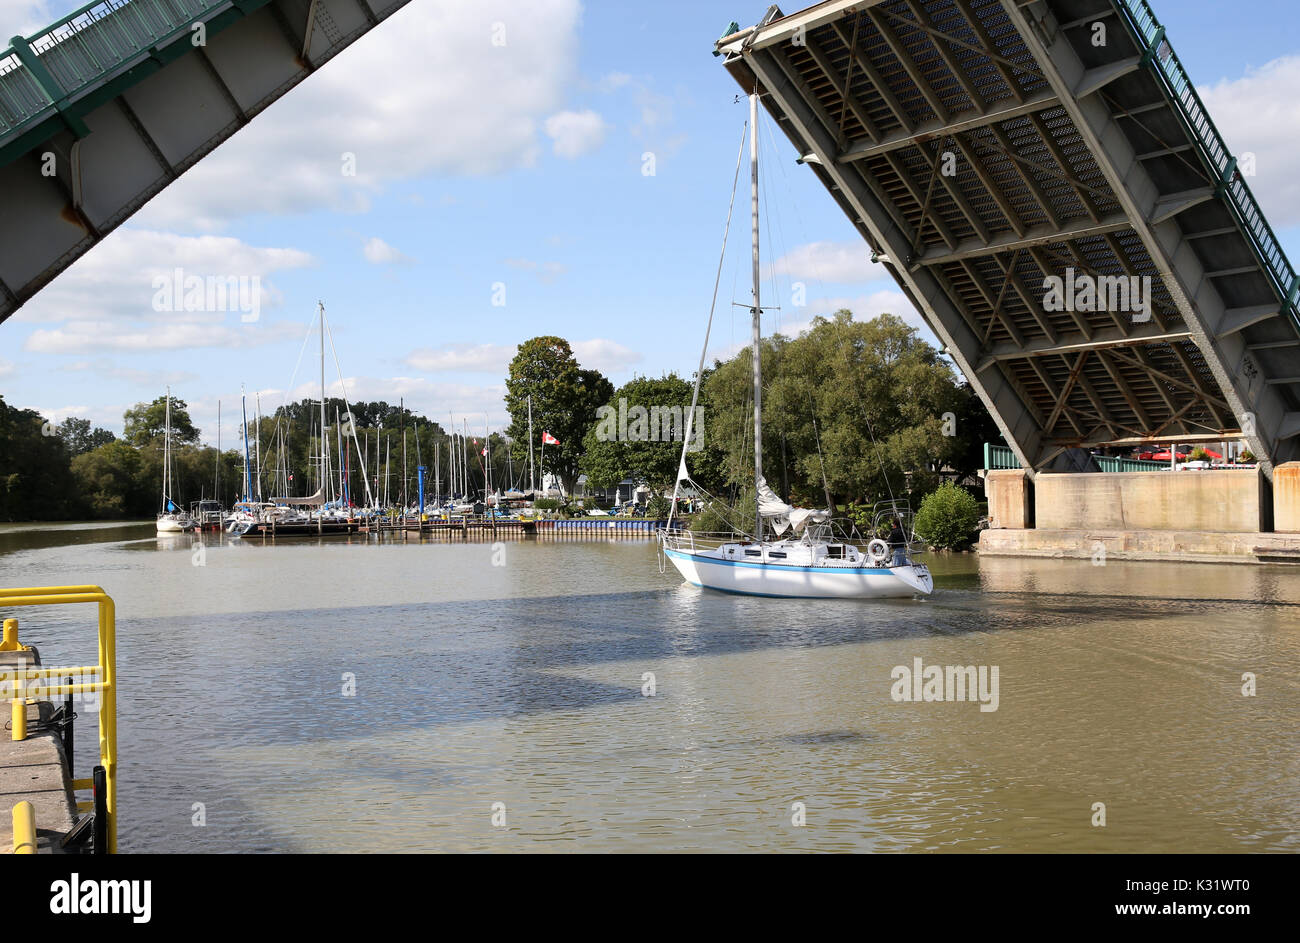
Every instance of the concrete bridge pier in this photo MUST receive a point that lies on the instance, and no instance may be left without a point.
(1228, 515)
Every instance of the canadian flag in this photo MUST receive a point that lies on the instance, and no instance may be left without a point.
(484, 452)
(550, 439)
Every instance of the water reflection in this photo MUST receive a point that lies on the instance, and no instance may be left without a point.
(523, 684)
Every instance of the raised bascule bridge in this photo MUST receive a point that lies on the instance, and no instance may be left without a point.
(983, 147)
(104, 109)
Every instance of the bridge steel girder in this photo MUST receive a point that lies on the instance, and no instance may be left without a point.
(1052, 183)
(147, 121)
(1193, 288)
(1014, 416)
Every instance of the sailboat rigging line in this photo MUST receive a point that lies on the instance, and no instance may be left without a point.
(343, 388)
(704, 350)
(818, 439)
(767, 219)
(813, 257)
(880, 459)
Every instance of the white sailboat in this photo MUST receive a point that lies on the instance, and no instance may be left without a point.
(810, 562)
(171, 519)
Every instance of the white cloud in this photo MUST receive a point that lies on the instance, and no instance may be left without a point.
(546, 272)
(613, 81)
(835, 262)
(575, 133)
(601, 354)
(436, 400)
(426, 93)
(150, 379)
(381, 253)
(1258, 113)
(115, 279)
(86, 337)
(465, 358)
(106, 417)
(864, 308)
(604, 355)
(25, 17)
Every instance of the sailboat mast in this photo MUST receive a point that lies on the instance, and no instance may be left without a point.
(167, 452)
(257, 436)
(757, 312)
(531, 484)
(243, 410)
(338, 435)
(216, 487)
(324, 473)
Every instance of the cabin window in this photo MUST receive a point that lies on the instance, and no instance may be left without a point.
(753, 553)
(776, 554)
(835, 551)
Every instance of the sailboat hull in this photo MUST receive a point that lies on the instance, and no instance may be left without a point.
(801, 582)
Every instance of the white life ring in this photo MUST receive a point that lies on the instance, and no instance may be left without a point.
(878, 549)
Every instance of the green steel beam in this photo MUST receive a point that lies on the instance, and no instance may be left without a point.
(65, 113)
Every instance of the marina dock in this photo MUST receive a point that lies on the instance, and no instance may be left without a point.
(475, 526)
(35, 770)
(41, 812)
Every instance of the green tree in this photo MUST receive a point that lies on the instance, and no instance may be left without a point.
(852, 411)
(111, 479)
(639, 433)
(565, 398)
(35, 479)
(79, 437)
(949, 517)
(145, 422)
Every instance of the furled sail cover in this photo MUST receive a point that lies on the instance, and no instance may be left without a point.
(781, 515)
(310, 500)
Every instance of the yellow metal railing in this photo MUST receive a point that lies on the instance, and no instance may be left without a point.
(14, 683)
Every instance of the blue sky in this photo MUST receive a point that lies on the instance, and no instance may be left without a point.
(525, 170)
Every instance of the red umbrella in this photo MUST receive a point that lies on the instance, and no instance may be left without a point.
(1212, 454)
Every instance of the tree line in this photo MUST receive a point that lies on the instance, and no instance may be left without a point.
(71, 471)
(854, 412)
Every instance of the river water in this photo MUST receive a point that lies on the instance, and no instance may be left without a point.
(352, 694)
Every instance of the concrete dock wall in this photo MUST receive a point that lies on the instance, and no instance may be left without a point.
(1224, 502)
(1101, 545)
(1211, 516)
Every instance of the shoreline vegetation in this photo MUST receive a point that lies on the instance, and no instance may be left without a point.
(860, 411)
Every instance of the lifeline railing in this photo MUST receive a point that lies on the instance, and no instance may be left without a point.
(13, 686)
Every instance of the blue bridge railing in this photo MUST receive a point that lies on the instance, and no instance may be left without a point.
(999, 456)
(1180, 90)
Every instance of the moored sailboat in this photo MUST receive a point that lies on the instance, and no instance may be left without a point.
(171, 519)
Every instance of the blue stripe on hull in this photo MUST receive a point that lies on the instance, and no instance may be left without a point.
(881, 571)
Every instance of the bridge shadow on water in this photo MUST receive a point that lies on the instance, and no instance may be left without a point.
(278, 676)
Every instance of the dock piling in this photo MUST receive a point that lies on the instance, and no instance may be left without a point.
(24, 828)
